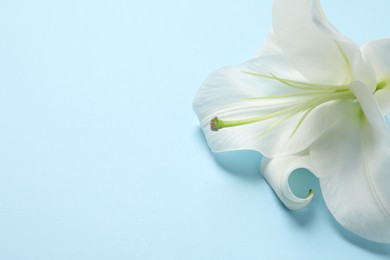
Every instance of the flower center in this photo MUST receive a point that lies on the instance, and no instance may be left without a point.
(309, 97)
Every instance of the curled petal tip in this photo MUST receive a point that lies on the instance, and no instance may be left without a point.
(310, 194)
(277, 171)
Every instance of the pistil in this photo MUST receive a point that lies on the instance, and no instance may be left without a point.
(311, 96)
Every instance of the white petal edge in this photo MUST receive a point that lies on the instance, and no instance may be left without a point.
(270, 46)
(277, 172)
(310, 49)
(315, 47)
(378, 53)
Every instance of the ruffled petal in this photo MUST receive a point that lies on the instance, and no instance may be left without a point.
(225, 95)
(378, 53)
(277, 172)
(353, 164)
(315, 47)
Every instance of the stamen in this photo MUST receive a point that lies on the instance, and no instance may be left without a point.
(216, 124)
(310, 108)
(317, 95)
(301, 121)
(302, 94)
(299, 84)
(275, 125)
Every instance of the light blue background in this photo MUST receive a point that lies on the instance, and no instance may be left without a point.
(101, 156)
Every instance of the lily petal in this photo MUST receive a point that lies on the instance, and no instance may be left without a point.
(277, 171)
(355, 172)
(315, 47)
(269, 47)
(370, 108)
(227, 95)
(378, 53)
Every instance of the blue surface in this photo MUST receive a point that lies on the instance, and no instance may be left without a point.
(101, 156)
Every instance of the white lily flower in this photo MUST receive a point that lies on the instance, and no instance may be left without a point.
(311, 98)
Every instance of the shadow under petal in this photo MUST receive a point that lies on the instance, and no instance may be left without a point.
(373, 247)
(244, 163)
